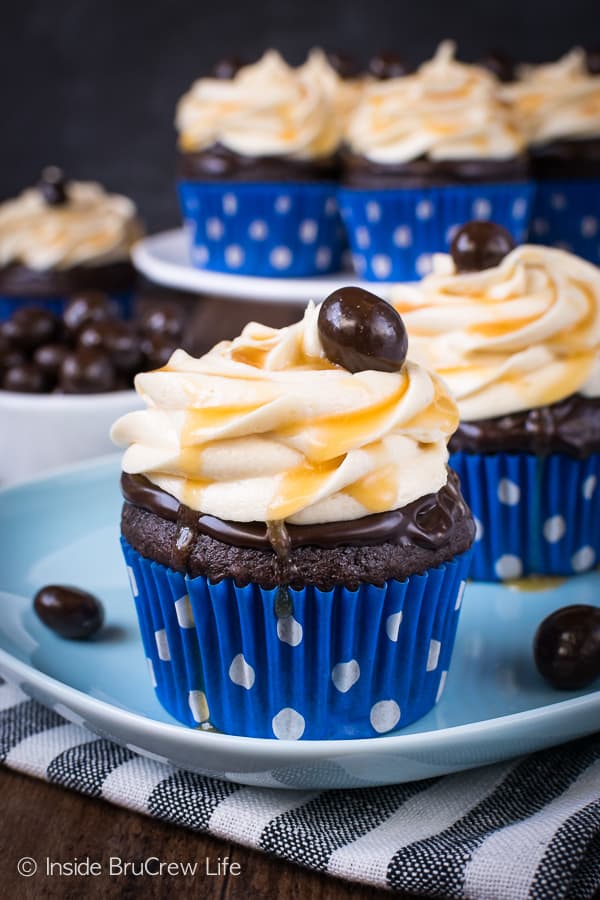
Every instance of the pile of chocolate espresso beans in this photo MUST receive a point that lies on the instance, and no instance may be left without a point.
(89, 349)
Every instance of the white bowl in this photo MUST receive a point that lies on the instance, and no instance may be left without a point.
(42, 431)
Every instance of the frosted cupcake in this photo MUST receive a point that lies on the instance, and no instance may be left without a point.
(343, 83)
(515, 333)
(296, 544)
(426, 152)
(63, 237)
(558, 105)
(258, 170)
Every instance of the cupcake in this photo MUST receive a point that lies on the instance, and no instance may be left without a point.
(424, 153)
(515, 333)
(257, 171)
(296, 545)
(558, 106)
(63, 237)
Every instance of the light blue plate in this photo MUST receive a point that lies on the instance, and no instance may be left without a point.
(64, 528)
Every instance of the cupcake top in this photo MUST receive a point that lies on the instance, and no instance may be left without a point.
(515, 336)
(60, 225)
(266, 109)
(446, 110)
(267, 428)
(557, 101)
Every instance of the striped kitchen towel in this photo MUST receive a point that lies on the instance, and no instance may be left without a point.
(528, 828)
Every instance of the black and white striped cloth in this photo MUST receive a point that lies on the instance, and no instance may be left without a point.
(527, 828)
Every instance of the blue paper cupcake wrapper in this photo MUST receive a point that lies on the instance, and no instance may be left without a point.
(534, 514)
(320, 664)
(265, 229)
(566, 214)
(56, 305)
(394, 232)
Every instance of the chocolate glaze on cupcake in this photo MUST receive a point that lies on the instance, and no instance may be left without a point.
(62, 237)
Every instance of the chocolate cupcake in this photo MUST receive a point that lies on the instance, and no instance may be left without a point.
(297, 547)
(63, 237)
(516, 335)
(258, 168)
(558, 105)
(424, 153)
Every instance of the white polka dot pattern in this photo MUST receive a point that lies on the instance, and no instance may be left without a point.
(281, 258)
(345, 675)
(441, 686)
(384, 716)
(184, 612)
(460, 595)
(132, 582)
(554, 529)
(234, 256)
(289, 631)
(288, 725)
(508, 492)
(392, 625)
(241, 672)
(162, 645)
(258, 230)
(583, 559)
(308, 231)
(589, 487)
(508, 566)
(433, 657)
(198, 706)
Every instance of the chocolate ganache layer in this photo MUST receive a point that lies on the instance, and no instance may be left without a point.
(21, 281)
(571, 426)
(218, 163)
(360, 172)
(567, 159)
(396, 544)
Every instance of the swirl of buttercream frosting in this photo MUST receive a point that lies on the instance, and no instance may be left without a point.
(557, 101)
(343, 93)
(267, 109)
(265, 428)
(91, 228)
(514, 337)
(446, 110)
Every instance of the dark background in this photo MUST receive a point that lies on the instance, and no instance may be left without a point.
(91, 85)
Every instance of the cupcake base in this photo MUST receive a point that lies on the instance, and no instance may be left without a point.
(297, 664)
(269, 229)
(533, 514)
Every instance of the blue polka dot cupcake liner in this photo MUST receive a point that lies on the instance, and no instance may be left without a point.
(566, 214)
(533, 514)
(305, 664)
(393, 233)
(274, 230)
(56, 305)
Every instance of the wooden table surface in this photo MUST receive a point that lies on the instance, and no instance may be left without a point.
(48, 822)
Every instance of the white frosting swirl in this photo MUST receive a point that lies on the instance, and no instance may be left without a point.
(558, 100)
(521, 335)
(91, 228)
(266, 109)
(266, 428)
(446, 110)
(343, 93)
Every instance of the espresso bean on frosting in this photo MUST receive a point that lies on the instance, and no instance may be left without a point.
(480, 245)
(359, 331)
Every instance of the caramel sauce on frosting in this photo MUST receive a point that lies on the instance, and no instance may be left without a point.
(264, 428)
(521, 335)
